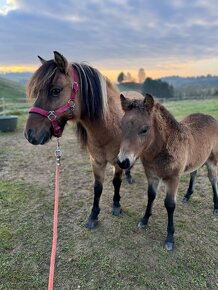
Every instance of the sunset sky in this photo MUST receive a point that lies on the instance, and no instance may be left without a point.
(165, 37)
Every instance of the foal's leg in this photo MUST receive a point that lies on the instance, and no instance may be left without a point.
(212, 175)
(170, 204)
(190, 187)
(128, 176)
(152, 191)
(117, 180)
(98, 172)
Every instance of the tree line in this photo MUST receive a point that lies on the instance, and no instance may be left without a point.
(157, 88)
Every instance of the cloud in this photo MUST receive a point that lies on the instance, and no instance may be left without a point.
(111, 33)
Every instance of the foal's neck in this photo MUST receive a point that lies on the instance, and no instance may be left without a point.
(165, 127)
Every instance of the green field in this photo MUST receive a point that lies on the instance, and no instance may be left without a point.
(116, 255)
(182, 108)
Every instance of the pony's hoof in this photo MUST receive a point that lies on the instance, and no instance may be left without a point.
(185, 199)
(169, 246)
(91, 224)
(141, 225)
(216, 211)
(116, 210)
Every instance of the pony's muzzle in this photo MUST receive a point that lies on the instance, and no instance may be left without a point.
(43, 137)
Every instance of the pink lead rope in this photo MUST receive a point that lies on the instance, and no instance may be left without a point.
(55, 221)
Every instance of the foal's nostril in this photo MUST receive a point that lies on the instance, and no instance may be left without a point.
(125, 164)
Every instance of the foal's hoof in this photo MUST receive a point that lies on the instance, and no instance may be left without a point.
(216, 211)
(185, 199)
(116, 210)
(129, 180)
(169, 246)
(91, 223)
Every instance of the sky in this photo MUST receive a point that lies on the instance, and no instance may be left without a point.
(165, 37)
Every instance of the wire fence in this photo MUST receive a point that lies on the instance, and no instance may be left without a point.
(17, 106)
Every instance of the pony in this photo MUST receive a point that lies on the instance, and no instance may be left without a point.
(167, 149)
(79, 93)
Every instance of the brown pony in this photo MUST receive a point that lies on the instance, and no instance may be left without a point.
(79, 93)
(167, 149)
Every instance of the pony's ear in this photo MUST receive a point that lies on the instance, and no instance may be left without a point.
(124, 102)
(149, 102)
(41, 59)
(61, 62)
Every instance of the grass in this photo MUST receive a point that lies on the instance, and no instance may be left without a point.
(182, 108)
(115, 255)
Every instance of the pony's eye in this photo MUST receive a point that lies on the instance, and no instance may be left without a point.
(143, 131)
(55, 92)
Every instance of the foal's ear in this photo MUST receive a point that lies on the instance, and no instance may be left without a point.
(148, 102)
(41, 59)
(61, 62)
(124, 102)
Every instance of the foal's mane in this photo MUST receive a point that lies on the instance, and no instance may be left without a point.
(165, 118)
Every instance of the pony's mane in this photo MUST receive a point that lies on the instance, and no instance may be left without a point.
(41, 79)
(93, 94)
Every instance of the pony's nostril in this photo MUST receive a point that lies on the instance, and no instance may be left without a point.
(29, 135)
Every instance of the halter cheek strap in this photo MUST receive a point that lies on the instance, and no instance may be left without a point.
(52, 115)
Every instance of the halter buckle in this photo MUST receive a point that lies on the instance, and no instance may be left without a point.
(51, 116)
(71, 103)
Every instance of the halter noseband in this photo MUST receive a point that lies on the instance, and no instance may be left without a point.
(70, 105)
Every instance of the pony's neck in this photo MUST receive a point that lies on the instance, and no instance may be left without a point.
(108, 126)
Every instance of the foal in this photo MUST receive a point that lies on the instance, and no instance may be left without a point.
(167, 149)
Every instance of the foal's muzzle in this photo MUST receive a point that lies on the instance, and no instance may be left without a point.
(125, 164)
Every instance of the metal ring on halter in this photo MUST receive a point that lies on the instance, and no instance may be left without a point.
(51, 116)
(71, 104)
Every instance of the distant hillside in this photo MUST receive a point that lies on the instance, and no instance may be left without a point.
(11, 90)
(201, 86)
(194, 87)
(18, 77)
(200, 81)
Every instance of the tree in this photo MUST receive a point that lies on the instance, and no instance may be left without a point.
(121, 77)
(141, 75)
(157, 88)
(128, 77)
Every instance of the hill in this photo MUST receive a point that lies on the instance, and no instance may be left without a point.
(11, 90)
(18, 77)
(201, 86)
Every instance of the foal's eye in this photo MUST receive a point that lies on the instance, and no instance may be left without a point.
(143, 131)
(55, 92)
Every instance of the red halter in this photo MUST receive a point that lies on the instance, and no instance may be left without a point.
(70, 105)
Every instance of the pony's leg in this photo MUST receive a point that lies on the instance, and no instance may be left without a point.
(98, 172)
(170, 204)
(152, 192)
(190, 187)
(117, 180)
(128, 176)
(212, 175)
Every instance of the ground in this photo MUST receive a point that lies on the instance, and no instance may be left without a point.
(116, 254)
